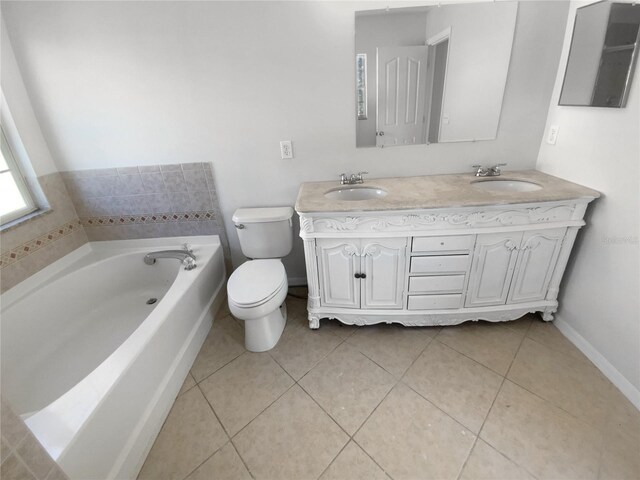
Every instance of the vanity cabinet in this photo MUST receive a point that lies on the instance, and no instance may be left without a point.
(496, 258)
(438, 266)
(361, 273)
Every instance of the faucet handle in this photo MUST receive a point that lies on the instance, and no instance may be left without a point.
(359, 176)
(343, 178)
(496, 168)
(187, 247)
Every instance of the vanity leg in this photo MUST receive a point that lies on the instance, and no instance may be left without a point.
(314, 322)
(547, 314)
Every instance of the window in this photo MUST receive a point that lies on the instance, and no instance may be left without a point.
(361, 86)
(15, 198)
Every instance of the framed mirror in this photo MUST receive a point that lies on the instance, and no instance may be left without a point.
(603, 54)
(431, 74)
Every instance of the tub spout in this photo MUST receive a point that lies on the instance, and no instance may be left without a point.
(187, 257)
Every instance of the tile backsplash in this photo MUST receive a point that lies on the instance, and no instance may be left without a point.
(30, 246)
(147, 201)
(112, 204)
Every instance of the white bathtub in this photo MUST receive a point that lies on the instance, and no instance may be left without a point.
(89, 365)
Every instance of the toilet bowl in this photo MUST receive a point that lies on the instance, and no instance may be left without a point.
(256, 293)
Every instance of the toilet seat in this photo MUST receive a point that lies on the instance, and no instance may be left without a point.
(256, 282)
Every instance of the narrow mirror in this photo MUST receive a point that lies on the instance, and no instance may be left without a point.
(604, 48)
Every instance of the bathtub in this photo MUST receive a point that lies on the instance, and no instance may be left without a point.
(95, 347)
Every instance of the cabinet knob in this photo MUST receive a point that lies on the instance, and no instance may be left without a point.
(360, 275)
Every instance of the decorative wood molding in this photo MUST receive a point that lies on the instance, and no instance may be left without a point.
(468, 218)
(426, 319)
(306, 224)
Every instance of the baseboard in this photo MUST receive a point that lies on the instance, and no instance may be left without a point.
(297, 281)
(609, 371)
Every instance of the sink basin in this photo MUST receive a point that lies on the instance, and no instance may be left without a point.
(505, 185)
(351, 194)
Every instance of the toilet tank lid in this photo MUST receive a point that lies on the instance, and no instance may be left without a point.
(262, 214)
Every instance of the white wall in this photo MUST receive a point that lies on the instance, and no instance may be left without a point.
(599, 301)
(134, 83)
(30, 142)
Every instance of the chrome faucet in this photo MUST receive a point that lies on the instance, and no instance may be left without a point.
(488, 172)
(185, 255)
(353, 179)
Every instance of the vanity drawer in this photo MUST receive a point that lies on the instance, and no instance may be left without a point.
(451, 243)
(436, 284)
(434, 302)
(439, 264)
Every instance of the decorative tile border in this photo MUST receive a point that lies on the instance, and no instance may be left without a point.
(27, 248)
(147, 218)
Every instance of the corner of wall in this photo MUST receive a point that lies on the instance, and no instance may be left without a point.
(599, 147)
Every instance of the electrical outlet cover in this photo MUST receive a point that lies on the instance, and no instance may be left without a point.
(286, 151)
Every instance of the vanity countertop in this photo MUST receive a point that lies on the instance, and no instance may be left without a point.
(439, 191)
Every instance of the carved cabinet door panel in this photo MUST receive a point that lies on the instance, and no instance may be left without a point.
(536, 262)
(492, 269)
(338, 264)
(383, 263)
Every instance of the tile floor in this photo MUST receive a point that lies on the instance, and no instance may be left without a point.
(476, 401)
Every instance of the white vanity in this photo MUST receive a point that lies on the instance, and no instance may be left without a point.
(438, 250)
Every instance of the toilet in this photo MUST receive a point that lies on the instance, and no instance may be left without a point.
(257, 289)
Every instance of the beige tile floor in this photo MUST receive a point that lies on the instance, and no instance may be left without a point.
(476, 401)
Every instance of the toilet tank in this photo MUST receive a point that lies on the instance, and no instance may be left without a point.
(264, 232)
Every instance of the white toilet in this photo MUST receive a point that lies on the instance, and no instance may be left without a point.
(257, 289)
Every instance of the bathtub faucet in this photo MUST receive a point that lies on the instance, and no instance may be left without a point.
(186, 256)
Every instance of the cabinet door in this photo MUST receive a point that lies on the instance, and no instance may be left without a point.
(383, 263)
(339, 261)
(536, 262)
(494, 260)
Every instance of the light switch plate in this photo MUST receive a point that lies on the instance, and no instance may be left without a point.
(286, 151)
(553, 134)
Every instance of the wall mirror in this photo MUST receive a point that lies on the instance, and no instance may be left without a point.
(603, 53)
(431, 74)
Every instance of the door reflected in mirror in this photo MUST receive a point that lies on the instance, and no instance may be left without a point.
(604, 49)
(432, 74)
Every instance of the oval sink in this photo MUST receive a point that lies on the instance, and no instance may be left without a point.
(505, 185)
(351, 194)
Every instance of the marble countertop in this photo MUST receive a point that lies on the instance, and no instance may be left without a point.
(439, 191)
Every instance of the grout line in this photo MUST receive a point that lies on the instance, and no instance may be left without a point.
(397, 381)
(471, 358)
(263, 410)
(206, 459)
(582, 359)
(334, 458)
(326, 413)
(241, 459)
(214, 412)
(486, 366)
(504, 378)
(600, 430)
